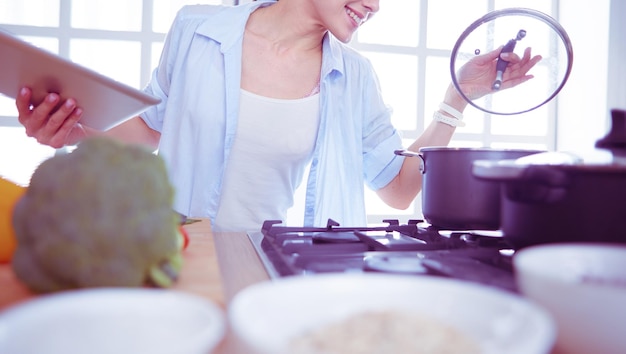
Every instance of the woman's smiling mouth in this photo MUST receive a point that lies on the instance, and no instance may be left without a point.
(359, 20)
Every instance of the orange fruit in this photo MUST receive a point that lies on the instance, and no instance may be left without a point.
(10, 193)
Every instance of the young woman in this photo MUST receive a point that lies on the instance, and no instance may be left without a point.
(253, 94)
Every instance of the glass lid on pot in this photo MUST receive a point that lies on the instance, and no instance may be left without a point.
(516, 29)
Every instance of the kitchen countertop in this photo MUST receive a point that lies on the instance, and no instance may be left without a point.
(216, 266)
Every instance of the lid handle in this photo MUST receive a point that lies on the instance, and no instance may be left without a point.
(616, 137)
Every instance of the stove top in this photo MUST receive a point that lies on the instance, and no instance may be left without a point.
(413, 248)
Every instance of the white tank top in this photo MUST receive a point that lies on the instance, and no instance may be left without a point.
(272, 148)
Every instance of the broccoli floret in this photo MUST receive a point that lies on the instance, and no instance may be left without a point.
(99, 216)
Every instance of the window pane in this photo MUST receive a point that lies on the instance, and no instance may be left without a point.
(437, 81)
(157, 48)
(43, 13)
(448, 19)
(20, 155)
(47, 43)
(165, 11)
(7, 107)
(374, 205)
(533, 123)
(113, 15)
(466, 143)
(539, 5)
(393, 25)
(96, 54)
(398, 80)
(519, 145)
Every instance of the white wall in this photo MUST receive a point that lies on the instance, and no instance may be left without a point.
(583, 113)
(616, 95)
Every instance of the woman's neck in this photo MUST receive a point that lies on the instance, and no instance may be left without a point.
(286, 26)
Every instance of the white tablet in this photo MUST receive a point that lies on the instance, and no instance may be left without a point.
(105, 102)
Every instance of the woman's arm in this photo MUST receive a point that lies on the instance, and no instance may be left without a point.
(403, 189)
(56, 123)
(475, 79)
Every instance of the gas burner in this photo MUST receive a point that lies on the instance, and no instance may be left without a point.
(413, 248)
(453, 265)
(409, 264)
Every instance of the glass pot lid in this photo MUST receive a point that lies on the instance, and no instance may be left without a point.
(517, 29)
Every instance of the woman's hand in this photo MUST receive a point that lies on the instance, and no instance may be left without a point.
(52, 122)
(476, 77)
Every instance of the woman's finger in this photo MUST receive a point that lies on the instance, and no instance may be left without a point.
(512, 82)
(64, 134)
(487, 57)
(59, 124)
(511, 57)
(22, 102)
(38, 116)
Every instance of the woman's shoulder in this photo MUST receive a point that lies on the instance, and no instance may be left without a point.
(205, 11)
(212, 20)
(200, 11)
(203, 19)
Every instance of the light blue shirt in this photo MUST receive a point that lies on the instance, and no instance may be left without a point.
(198, 81)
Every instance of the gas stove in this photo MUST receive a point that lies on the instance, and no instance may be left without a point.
(415, 248)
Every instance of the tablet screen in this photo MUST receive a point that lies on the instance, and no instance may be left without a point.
(105, 102)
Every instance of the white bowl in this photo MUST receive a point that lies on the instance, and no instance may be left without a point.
(583, 286)
(107, 321)
(267, 316)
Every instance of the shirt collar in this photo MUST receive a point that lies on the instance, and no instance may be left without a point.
(220, 28)
(228, 25)
(332, 56)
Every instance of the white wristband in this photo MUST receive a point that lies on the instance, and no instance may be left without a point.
(451, 111)
(451, 121)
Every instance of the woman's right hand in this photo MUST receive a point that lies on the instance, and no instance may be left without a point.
(52, 122)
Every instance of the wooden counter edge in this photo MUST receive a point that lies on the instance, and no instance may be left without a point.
(240, 265)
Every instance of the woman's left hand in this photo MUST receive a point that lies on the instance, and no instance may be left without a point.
(476, 77)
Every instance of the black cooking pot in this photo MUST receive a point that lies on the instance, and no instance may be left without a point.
(571, 200)
(452, 198)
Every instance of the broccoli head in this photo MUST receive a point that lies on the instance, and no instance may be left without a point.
(99, 216)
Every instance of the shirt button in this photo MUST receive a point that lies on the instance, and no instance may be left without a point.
(309, 210)
(314, 162)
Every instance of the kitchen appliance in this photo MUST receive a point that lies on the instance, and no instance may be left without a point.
(416, 248)
(542, 195)
(452, 197)
(461, 240)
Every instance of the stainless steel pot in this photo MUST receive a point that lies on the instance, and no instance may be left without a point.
(561, 200)
(452, 198)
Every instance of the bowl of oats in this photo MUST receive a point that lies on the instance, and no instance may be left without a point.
(383, 313)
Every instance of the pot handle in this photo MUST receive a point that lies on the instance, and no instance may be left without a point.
(408, 153)
(527, 183)
(511, 170)
(616, 137)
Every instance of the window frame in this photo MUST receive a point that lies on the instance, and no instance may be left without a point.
(559, 131)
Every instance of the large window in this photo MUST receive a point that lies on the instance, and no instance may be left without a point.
(409, 43)
(121, 39)
(410, 47)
